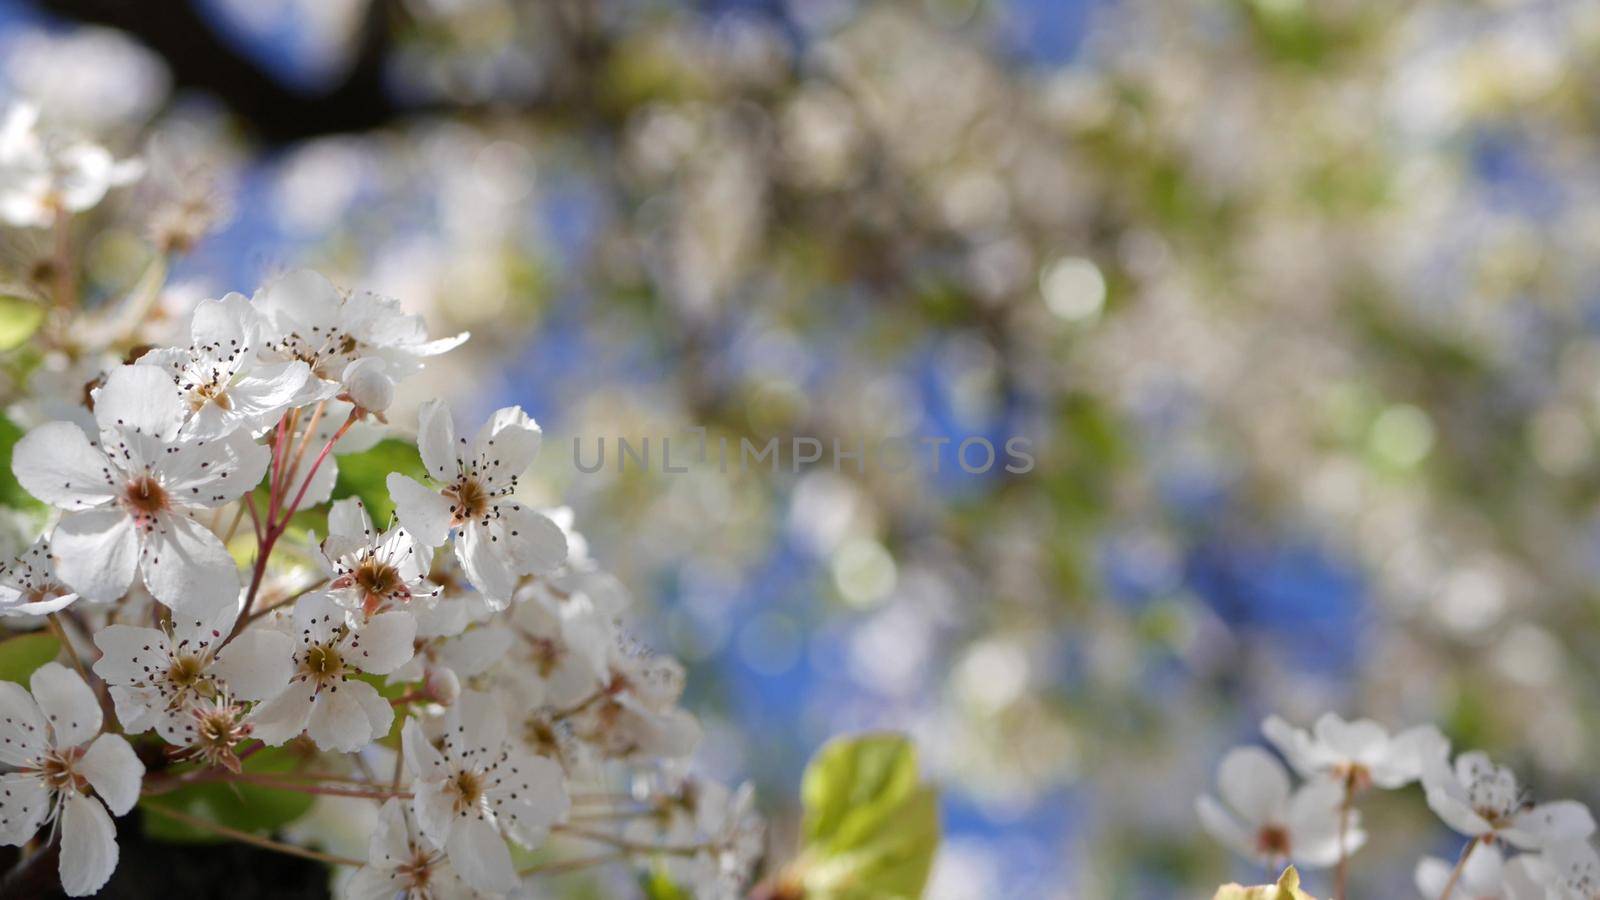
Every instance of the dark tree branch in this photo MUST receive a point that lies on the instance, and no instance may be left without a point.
(201, 59)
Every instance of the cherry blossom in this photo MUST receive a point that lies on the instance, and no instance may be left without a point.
(325, 698)
(565, 650)
(635, 714)
(164, 678)
(64, 772)
(721, 823)
(44, 175)
(1262, 818)
(476, 789)
(29, 585)
(221, 377)
(403, 863)
(369, 571)
(496, 539)
(129, 497)
(316, 323)
(1482, 800)
(1359, 753)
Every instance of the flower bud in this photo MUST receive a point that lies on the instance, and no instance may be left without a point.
(443, 686)
(368, 385)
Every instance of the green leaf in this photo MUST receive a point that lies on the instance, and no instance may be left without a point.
(657, 885)
(366, 474)
(11, 492)
(19, 319)
(247, 807)
(20, 655)
(870, 827)
(1287, 888)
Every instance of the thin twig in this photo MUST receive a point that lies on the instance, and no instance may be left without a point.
(60, 632)
(627, 845)
(557, 867)
(1461, 866)
(248, 838)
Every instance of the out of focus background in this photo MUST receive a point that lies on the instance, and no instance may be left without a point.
(1298, 302)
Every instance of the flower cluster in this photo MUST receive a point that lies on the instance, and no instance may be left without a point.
(1263, 817)
(181, 570)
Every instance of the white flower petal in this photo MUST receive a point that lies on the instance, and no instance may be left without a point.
(23, 732)
(383, 644)
(475, 651)
(433, 809)
(505, 446)
(208, 474)
(303, 296)
(224, 330)
(139, 400)
(1223, 826)
(96, 552)
(476, 726)
(67, 703)
(114, 771)
(424, 513)
(129, 653)
(24, 804)
(257, 664)
(379, 712)
(1560, 821)
(535, 544)
(317, 618)
(339, 720)
(57, 464)
(390, 845)
(184, 561)
(88, 846)
(1254, 783)
(487, 565)
(479, 854)
(530, 795)
(374, 883)
(421, 757)
(283, 717)
(436, 441)
(1455, 812)
(348, 518)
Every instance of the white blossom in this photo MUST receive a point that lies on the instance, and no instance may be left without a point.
(29, 585)
(370, 571)
(1482, 800)
(325, 698)
(221, 377)
(162, 677)
(64, 771)
(721, 824)
(477, 788)
(1262, 818)
(44, 176)
(635, 713)
(565, 650)
(1359, 753)
(496, 539)
(129, 497)
(316, 323)
(403, 863)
